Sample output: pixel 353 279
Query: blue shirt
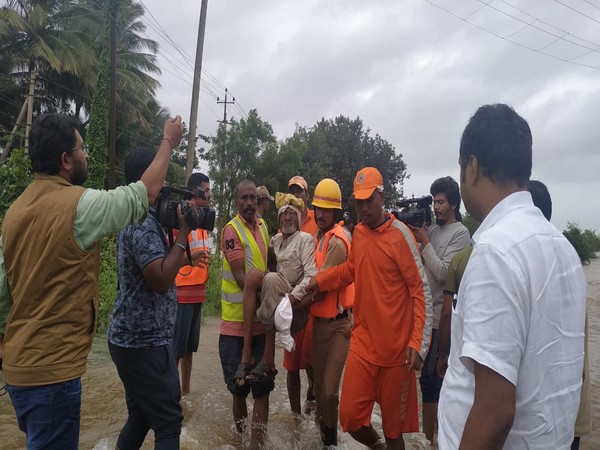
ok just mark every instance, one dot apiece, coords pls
pixel 141 317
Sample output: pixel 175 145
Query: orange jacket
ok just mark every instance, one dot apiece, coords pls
pixel 188 275
pixel 343 298
pixel 310 225
pixel 389 306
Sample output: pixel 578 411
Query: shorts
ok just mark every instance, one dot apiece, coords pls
pixel 230 352
pixel 394 388
pixel 187 329
pixel 301 356
pixel 431 383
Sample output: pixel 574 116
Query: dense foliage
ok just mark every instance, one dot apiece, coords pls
pixel 586 242
pixel 15 174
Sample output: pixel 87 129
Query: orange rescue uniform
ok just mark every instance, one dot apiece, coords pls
pixel 389 317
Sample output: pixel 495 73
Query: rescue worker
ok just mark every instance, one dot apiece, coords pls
pixel 332 321
pixel 389 336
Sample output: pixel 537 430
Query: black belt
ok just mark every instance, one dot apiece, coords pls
pixel 341 315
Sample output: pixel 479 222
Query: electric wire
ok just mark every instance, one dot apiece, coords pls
pixel 568 60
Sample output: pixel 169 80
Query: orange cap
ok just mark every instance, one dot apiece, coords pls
pixel 366 181
pixel 299 181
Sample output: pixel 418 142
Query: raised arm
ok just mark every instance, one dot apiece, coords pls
pixel 154 176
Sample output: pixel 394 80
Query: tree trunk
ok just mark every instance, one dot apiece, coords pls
pixel 7 148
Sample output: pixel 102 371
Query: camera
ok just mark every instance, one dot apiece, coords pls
pixel 414 211
pixel 166 208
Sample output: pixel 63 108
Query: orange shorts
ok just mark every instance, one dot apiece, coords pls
pixel 394 388
pixel 300 357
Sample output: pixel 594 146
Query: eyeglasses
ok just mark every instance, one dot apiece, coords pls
pixel 84 148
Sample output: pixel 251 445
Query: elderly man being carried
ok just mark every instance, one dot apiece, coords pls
pixel 281 292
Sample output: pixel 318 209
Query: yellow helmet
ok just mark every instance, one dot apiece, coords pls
pixel 327 194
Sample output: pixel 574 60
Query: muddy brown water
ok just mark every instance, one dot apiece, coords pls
pixel 208 420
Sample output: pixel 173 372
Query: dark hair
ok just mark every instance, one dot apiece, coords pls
pixel 501 141
pixel 541 197
pixel 196 179
pixel 50 136
pixel 138 160
pixel 244 182
pixel 449 187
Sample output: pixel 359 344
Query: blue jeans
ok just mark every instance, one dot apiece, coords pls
pixel 49 415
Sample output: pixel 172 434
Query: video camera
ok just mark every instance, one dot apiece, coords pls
pixel 414 211
pixel 166 208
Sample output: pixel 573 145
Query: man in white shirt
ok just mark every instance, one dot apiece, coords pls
pixel 516 358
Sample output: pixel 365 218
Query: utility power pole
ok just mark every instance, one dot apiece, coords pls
pixel 225 103
pixel 112 121
pixel 189 167
pixel 223 204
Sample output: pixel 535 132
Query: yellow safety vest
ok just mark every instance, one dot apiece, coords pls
pixel 232 308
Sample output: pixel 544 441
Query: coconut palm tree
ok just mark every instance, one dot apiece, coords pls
pixel 46 35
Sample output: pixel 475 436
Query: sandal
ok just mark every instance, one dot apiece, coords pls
pixel 261 372
pixel 243 370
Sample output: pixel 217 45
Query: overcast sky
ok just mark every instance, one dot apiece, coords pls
pixel 413 70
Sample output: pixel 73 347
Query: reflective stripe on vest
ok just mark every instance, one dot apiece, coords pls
pixel 231 294
pixel 188 275
pixel 334 302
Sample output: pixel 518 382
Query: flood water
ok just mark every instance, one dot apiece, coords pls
pixel 208 420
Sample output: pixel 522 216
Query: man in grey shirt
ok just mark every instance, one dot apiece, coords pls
pixel 439 243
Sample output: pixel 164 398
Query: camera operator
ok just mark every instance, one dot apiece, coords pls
pixel 142 324
pixel 439 243
pixel 191 287
pixel 49 267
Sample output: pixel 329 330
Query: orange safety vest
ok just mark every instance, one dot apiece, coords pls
pixel 335 302
pixel 188 275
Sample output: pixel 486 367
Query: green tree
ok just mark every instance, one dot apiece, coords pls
pixel 16 175
pixel 593 240
pixel 338 148
pixel 46 35
pixel 97 134
pixel 237 153
pixel 576 238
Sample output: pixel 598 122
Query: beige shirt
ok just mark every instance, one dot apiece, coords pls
pixel 295 260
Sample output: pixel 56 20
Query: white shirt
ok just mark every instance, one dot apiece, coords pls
pixel 520 312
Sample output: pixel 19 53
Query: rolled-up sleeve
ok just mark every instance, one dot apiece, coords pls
pixel 102 213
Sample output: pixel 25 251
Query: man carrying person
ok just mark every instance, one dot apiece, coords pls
pixel 389 317
pixel 191 288
pixel 244 243
pixel 516 360
pixel 301 357
pixel 439 243
pixel 332 322
pixel 142 324
pixel 294 252
pixel 51 287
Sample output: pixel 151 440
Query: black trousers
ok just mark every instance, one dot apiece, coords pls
pixel 152 393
